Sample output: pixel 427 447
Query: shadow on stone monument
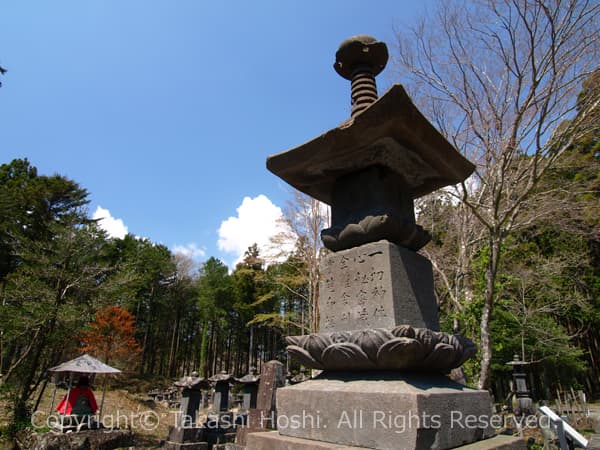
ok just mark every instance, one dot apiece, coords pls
pixel 187 432
pixel 221 421
pixel 383 358
pixel 249 389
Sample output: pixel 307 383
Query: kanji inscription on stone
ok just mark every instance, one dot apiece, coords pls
pixel 370 287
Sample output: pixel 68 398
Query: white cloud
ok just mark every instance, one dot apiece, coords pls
pixel 114 227
pixel 191 250
pixel 258 219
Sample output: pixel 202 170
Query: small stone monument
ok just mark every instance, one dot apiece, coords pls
pixel 520 389
pixel 221 382
pixel 220 423
pixel 190 399
pixel 383 358
pixel 249 384
pixel 187 432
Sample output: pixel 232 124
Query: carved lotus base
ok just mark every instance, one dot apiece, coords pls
pixel 402 232
pixel 401 348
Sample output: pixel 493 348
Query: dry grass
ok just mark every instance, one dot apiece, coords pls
pixel 122 409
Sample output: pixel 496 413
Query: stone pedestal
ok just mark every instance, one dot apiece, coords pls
pixel 376 285
pixel 186 446
pixel 274 441
pixel 383 410
pixel 186 438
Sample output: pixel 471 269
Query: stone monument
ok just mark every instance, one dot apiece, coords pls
pixel 249 384
pixel 520 389
pixel 220 422
pixel 221 382
pixel 187 432
pixel 383 358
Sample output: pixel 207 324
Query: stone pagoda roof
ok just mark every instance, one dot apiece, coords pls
pixel 392 133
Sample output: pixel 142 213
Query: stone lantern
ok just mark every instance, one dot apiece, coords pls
pixel 187 432
pixel 249 384
pixel 520 389
pixel 191 387
pixel 221 382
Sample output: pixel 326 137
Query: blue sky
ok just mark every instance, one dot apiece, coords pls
pixel 165 111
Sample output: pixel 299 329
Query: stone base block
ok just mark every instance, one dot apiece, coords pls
pixel 385 410
pixel 274 441
pixel 105 438
pixel 500 442
pixel 188 434
pixel 219 437
pixel 230 446
pixel 186 446
pixel 271 440
pixel 258 420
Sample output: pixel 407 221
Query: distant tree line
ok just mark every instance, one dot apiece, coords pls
pixel 66 287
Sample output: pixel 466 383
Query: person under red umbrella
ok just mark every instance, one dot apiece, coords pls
pixel 81 400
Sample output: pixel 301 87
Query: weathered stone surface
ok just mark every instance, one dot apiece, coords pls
pixel 181 435
pixel 186 446
pixel 357 51
pixel 257 420
pixel 384 410
pixel 400 348
pixel 192 381
pixel 271 378
pixel 500 442
pixel 84 440
pixel 274 441
pixel 370 169
pixel 391 133
pixel 371 205
pixel 231 446
pixel 263 417
pixel 377 285
pixel 190 404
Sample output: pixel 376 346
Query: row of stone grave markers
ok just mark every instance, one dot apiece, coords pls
pixel 221 424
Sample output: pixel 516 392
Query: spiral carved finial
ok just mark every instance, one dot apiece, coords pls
pixel 360 59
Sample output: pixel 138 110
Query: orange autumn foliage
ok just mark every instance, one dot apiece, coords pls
pixel 112 336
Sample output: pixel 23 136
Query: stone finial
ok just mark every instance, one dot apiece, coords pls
pixel 360 59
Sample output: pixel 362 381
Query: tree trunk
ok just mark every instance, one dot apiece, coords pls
pixel 486 315
pixel 204 350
